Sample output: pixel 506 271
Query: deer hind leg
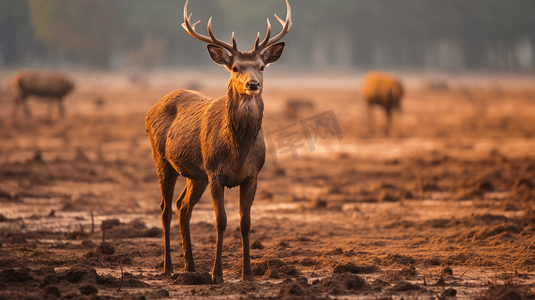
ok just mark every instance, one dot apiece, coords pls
pixel 371 120
pixel 20 100
pixel 61 108
pixel 217 192
pixel 24 103
pixel 389 104
pixel 247 193
pixel 398 121
pixel 185 203
pixel 50 105
pixel 167 178
pixel 388 124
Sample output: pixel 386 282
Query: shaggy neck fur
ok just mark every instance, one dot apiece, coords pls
pixel 245 114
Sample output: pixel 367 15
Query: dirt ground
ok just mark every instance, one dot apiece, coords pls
pixel 442 209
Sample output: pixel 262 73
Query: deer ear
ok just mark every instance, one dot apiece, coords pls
pixel 273 53
pixel 218 55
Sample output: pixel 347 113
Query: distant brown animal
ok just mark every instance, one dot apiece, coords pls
pixel 2 92
pixel 214 142
pixel 383 90
pixel 50 86
pixel 294 107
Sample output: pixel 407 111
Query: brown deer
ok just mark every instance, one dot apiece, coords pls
pixel 214 142
pixel 385 91
pixel 51 86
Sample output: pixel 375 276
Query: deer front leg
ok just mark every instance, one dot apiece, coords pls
pixel 217 191
pixel 16 105
pixel 193 192
pixel 50 105
pixel 247 193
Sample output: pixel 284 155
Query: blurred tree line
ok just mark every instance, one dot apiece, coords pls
pixel 363 33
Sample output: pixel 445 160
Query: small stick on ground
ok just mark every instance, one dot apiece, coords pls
pixel 103 228
pixel 469 268
pixel 122 276
pixel 92 223
pixel 420 184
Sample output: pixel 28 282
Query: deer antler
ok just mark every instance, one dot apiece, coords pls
pixel 212 39
pixel 286 25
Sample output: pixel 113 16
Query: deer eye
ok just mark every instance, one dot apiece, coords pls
pixel 262 68
pixel 234 69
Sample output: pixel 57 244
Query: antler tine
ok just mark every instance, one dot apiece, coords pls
pixel 286 25
pixel 266 39
pixel 218 42
pixel 196 23
pixel 256 41
pixel 191 28
pixel 212 39
pixel 234 44
pixel 279 19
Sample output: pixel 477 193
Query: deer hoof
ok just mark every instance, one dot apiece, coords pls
pixel 216 279
pixel 168 272
pixel 247 277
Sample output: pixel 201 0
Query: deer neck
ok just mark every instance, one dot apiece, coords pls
pixel 244 118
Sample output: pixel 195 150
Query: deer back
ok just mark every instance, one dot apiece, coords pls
pixel 383 89
pixel 174 128
pixel 42 84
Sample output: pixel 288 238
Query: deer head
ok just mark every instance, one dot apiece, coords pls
pixel 246 68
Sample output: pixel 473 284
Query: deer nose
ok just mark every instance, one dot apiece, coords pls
pixel 253 85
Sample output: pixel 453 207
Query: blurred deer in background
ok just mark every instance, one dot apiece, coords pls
pixel 214 142
pixel 49 86
pixel 2 91
pixel 383 90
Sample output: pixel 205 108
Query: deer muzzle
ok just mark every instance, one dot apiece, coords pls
pixel 252 87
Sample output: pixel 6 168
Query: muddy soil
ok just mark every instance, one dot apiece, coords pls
pixel 442 209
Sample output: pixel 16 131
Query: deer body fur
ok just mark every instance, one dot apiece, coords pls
pixel 214 143
pixel 385 91
pixel 233 133
pixel 53 87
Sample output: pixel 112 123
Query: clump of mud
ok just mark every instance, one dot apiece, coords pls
pixel 398 276
pixel 404 286
pixel 3 218
pixel 113 229
pixel 298 289
pixel 88 289
pixel 507 292
pixel 193 278
pixel 105 248
pixel 21 275
pixel 352 268
pixel 523 191
pixel 395 258
pixel 76 282
pixel 272 268
pixel 106 252
pixel 81 275
pixel 342 284
pixel 337 284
